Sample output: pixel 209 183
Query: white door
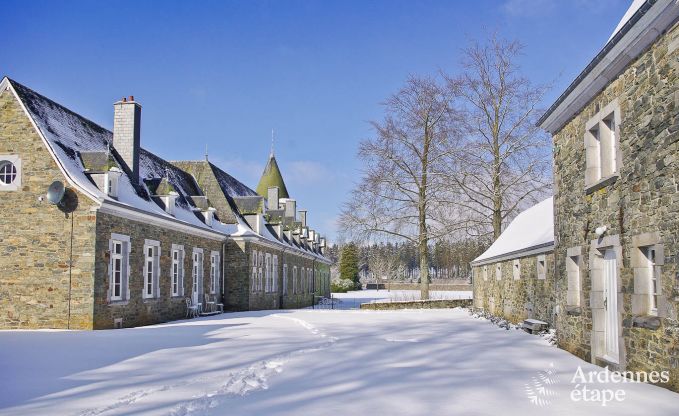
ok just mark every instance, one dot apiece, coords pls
pixel 611 306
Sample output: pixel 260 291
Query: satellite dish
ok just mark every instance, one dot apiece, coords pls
pixel 55 193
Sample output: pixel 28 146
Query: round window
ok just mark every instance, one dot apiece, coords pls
pixel 8 172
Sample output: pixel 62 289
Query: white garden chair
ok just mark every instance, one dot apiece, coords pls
pixel 191 310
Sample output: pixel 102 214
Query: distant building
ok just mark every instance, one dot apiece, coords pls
pixel 514 278
pixel 134 235
pixel 616 204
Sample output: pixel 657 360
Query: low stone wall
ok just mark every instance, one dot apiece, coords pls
pixel 419 304
pixel 432 287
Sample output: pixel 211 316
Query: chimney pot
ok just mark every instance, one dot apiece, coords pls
pixel 131 98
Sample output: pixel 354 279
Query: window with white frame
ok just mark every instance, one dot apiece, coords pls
pixel 274 274
pixel 310 280
pixel 267 273
pixel 10 172
pixel 214 272
pixel 294 280
pixel 573 274
pixel 485 272
pixel 177 270
pixel 151 269
pixel 253 278
pixel 197 275
pixel 302 280
pixel 516 269
pixel 285 278
pixel 119 267
pixel 260 272
pixel 653 278
pixel 498 272
pixel 601 145
pixel 542 267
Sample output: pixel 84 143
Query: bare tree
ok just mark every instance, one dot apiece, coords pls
pixel 506 162
pixel 405 187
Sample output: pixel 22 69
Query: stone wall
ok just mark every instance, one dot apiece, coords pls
pixel 240 295
pixel 45 253
pixel 516 299
pixel 643 200
pixel 418 304
pixel 138 311
pixel 432 286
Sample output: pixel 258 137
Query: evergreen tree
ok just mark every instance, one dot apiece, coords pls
pixel 349 262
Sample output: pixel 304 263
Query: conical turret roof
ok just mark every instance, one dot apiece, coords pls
pixel 270 178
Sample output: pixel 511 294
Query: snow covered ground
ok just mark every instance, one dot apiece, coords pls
pixel 317 362
pixel 353 299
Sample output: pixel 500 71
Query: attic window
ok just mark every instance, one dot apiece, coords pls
pixel 10 172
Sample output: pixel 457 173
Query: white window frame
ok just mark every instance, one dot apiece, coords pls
pixel 253 276
pixel 516 269
pixel 310 279
pixel 267 273
pixel 124 256
pixel 485 272
pixel 274 274
pixel 498 271
pixel 177 271
pixel 197 274
pixel 214 272
pixel 294 280
pixel 653 273
pixel 260 273
pixel 16 161
pixel 302 280
pixel 285 278
pixel 151 269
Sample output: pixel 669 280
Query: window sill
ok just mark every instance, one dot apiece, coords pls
pixel 573 310
pixel 151 300
pixel 646 321
pixel 601 183
pixel 118 302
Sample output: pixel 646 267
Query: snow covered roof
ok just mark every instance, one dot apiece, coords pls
pixel 531 232
pixel 636 4
pixel 640 26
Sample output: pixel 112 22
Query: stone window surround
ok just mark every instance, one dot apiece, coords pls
pixel 641 298
pixel 574 263
pixel 516 269
pixel 596 299
pixel 594 178
pixel 179 264
pixel 16 161
pixel 541 267
pixel 155 245
pixel 214 272
pixel 125 263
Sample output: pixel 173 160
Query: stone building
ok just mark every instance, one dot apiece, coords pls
pixel 514 278
pixel 616 139
pixel 98 232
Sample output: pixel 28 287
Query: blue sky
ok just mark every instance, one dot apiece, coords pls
pixel 224 73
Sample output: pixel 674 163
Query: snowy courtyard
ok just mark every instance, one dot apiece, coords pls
pixel 316 362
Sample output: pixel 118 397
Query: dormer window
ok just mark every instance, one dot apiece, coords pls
pixel 170 201
pixel 209 215
pixel 111 180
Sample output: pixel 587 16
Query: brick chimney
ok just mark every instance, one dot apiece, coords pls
pixel 127 133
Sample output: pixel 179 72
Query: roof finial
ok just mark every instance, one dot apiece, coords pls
pixel 272 142
pixel 206 152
